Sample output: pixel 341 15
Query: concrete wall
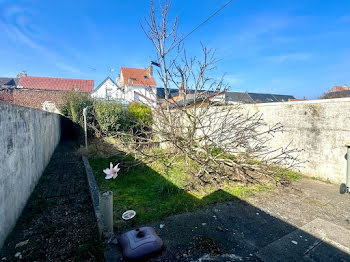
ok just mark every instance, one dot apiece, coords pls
pixel 28 138
pixel 320 127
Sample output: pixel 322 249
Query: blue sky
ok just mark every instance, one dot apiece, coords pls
pixel 297 47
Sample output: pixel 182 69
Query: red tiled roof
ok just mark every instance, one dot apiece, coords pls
pixel 138 77
pixel 340 88
pixel 52 83
pixel 296 99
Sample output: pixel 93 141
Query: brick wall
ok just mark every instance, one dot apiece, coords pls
pixel 6 94
pixel 32 98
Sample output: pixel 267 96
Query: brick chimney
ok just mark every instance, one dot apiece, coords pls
pixel 150 69
pixel 23 73
pixel 182 90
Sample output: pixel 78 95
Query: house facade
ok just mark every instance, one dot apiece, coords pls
pixel 132 85
pixel 108 90
pixel 138 85
pixel 46 93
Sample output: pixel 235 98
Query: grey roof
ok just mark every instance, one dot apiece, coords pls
pixel 172 92
pixel 9 81
pixel 269 98
pixel 263 98
pixel 239 97
pixel 104 82
pixel 246 98
pixel 284 98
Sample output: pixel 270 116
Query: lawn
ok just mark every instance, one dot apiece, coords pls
pixel 155 192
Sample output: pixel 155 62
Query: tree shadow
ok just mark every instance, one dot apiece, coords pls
pixel 228 225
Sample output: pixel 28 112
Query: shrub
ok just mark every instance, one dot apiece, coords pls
pixel 141 114
pixel 74 102
pixel 110 116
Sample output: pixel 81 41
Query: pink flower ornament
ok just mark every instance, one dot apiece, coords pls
pixel 111 172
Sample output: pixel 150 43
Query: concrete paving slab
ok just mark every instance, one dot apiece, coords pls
pixel 262 227
pixel 318 240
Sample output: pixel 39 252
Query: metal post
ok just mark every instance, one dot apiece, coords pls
pixel 344 188
pixel 348 166
pixel 106 209
pixel 85 126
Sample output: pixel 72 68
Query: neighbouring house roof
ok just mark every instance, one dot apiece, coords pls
pixel 283 98
pixel 171 91
pixel 137 77
pixel 263 98
pixel 52 83
pixel 269 98
pixel 295 99
pixel 174 92
pixel 8 81
pixel 339 88
pixel 239 97
pixel 180 101
pixel 104 81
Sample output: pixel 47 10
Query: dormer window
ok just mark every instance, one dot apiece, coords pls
pixel 146 77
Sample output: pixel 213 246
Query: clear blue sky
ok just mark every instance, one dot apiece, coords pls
pixel 298 47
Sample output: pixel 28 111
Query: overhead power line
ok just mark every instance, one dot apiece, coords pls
pixel 206 20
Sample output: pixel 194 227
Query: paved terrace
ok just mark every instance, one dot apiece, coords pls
pixel 308 221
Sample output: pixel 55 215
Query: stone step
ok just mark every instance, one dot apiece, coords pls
pixel 318 240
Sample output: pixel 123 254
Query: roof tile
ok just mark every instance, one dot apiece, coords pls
pixel 52 83
pixel 137 77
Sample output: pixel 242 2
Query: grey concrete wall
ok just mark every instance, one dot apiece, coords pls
pixel 28 138
pixel 320 127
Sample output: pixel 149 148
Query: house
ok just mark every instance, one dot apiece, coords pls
pixel 7 82
pixel 138 85
pixel 46 93
pixel 337 92
pixel 132 85
pixel 108 90
pixel 339 89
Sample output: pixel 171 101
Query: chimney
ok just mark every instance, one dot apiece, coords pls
pixel 23 73
pixel 150 69
pixel 182 90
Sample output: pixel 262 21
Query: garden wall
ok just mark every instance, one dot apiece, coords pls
pixel 28 138
pixel 320 127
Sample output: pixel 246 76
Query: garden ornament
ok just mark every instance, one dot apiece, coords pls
pixel 111 172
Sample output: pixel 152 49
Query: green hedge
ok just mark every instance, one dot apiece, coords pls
pixel 108 117
pixel 111 116
pixel 140 113
pixel 74 102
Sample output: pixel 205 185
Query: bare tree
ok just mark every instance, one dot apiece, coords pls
pixel 224 141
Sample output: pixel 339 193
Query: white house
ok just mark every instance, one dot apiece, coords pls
pixel 108 90
pixel 138 85
pixel 132 85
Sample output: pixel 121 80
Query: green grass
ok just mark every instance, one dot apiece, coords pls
pixel 155 192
